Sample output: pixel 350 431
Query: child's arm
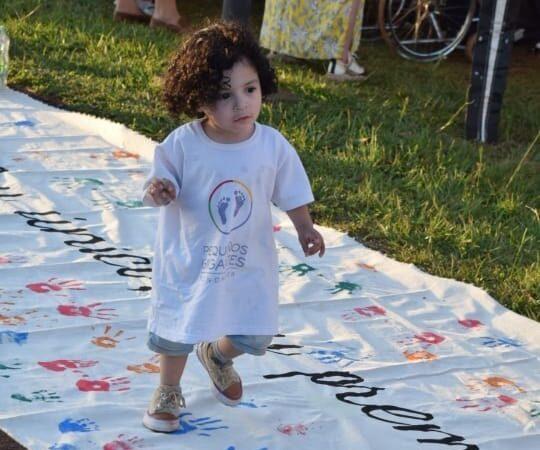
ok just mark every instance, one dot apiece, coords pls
pixel 159 192
pixel 310 239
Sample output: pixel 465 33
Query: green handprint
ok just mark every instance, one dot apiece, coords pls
pixel 4 367
pixel 41 395
pixel 344 286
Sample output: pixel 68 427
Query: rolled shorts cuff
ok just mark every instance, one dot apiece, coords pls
pixel 252 344
pixel 165 347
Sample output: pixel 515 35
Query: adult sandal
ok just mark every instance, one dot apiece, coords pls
pixel 340 71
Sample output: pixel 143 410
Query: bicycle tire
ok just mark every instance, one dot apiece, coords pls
pixel 402 18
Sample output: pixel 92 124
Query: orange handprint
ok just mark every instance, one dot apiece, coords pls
pixel 121 154
pixel 148 367
pixel 421 355
pixel 108 341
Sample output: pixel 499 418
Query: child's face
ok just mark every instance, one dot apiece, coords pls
pixel 231 118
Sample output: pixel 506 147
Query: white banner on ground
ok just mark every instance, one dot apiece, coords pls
pixel 372 354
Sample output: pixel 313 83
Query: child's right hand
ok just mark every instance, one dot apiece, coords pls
pixel 161 191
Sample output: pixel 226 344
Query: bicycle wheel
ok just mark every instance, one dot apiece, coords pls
pixel 426 30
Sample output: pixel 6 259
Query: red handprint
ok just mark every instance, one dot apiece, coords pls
pixel 370 311
pixel 103 385
pixel 59 365
pixel 470 323
pixel 51 285
pixel 290 429
pixel 86 311
pixel 429 337
pixel 124 444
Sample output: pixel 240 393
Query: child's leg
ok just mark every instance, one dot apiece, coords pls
pixel 164 410
pixel 171 369
pixel 216 357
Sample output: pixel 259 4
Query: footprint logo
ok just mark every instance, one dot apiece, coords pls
pixel 240 199
pixel 230 205
pixel 223 206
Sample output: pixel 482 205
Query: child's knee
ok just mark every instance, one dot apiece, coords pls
pixel 252 344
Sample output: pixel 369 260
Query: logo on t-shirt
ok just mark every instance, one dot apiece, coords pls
pixel 230 205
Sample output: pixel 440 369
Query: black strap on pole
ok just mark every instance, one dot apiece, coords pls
pixel 237 10
pixel 490 67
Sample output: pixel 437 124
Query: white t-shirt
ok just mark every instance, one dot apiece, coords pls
pixel 215 263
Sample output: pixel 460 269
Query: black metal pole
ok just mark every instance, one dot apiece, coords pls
pixel 490 68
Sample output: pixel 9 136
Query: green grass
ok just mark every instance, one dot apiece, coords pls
pixel 387 158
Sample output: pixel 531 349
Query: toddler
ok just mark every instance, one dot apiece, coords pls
pixel 215 272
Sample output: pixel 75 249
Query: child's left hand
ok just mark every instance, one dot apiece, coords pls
pixel 311 241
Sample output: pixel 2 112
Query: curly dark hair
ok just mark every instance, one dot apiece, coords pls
pixel 195 73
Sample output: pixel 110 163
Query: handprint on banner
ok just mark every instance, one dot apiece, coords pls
pixel 232 447
pixel 486 403
pixel 84 425
pixel 105 384
pixel 91 311
pixel 298 269
pixel 293 429
pixel 470 323
pixel 15 365
pixel 60 365
pixel 366 266
pixel 421 355
pixel 12 320
pixel 421 341
pixel 13 259
pixel 123 154
pixel 338 357
pixel 124 442
pixel 344 286
pixel 362 313
pixel 151 366
pixel 494 342
pixel 7 337
pixel 51 285
pixel 250 404
pixel 110 338
pixel 42 395
pixel 12 294
pixel 201 426
pixel 63 446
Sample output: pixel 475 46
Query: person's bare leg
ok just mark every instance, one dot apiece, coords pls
pixel 166 11
pixel 128 7
pixel 227 349
pixel 350 30
pixel 171 369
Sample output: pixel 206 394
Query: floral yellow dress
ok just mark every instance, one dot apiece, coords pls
pixel 308 29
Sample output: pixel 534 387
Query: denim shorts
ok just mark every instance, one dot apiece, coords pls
pixel 254 345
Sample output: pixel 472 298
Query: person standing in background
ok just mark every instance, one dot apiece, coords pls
pixel 316 29
pixel 165 15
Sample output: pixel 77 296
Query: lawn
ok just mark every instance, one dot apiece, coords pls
pixel 387 157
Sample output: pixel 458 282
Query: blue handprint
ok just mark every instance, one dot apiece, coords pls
pixel 81 425
pixel 63 447
pixel 197 424
pixel 13 336
pixel 332 356
pixel 232 447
